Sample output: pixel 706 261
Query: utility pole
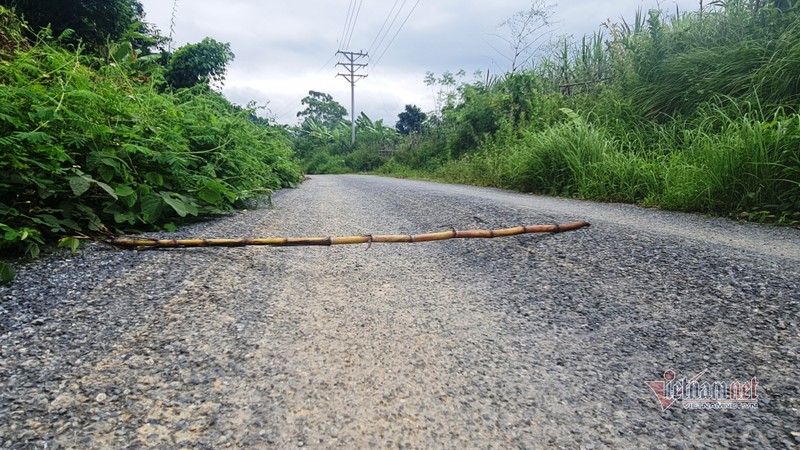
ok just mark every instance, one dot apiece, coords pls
pixel 352 66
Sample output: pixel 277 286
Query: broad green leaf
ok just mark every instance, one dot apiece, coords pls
pixel 180 207
pixel 573 116
pixel 71 242
pixel 87 211
pixel 152 205
pixel 108 189
pixel 110 162
pixel 79 185
pixel 130 200
pixel 191 208
pixel 154 179
pixel 124 190
pixel 122 51
pixel 45 192
pixel 149 58
pixel 144 189
pixel 33 250
pixel 71 224
pixel 7 273
pixel 107 173
pixel 209 195
pixel 127 194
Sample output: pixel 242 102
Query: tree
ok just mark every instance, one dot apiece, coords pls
pixel 411 120
pixel 94 21
pixel 322 109
pixel 448 87
pixel 524 30
pixel 199 63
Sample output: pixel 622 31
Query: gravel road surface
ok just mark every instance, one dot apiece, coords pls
pixel 525 342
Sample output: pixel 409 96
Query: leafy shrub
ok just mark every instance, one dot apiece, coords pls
pixel 324 162
pixel 87 146
pixel 327 147
pixel 198 64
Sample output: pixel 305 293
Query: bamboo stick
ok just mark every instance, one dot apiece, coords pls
pixel 141 243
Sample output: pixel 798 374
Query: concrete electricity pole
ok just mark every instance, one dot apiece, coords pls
pixel 352 66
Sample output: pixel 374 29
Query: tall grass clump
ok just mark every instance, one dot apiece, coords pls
pixel 745 163
pixel 557 160
pixel 573 159
pixel 742 49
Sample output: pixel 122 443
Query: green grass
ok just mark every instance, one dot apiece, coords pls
pixel 727 165
pixel 688 111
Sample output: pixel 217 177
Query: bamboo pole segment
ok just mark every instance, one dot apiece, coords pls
pixel 141 243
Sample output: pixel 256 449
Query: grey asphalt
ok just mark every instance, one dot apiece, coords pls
pixel 531 341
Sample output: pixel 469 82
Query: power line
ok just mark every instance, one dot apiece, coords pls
pixel 353 28
pixel 326 64
pixel 372 45
pixel 347 23
pixel 386 33
pixel 398 32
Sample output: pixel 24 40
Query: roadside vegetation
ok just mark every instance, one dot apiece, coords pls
pixel 101 129
pixel 323 139
pixel 692 111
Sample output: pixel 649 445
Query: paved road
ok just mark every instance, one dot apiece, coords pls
pixel 532 341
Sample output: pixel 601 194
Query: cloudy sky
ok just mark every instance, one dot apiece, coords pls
pixel 286 48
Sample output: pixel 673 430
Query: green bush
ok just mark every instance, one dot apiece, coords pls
pixel 90 146
pixel 322 162
pixel 328 148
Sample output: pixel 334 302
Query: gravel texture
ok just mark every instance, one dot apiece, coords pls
pixel 532 341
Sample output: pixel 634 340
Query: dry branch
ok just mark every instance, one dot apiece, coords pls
pixel 141 243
